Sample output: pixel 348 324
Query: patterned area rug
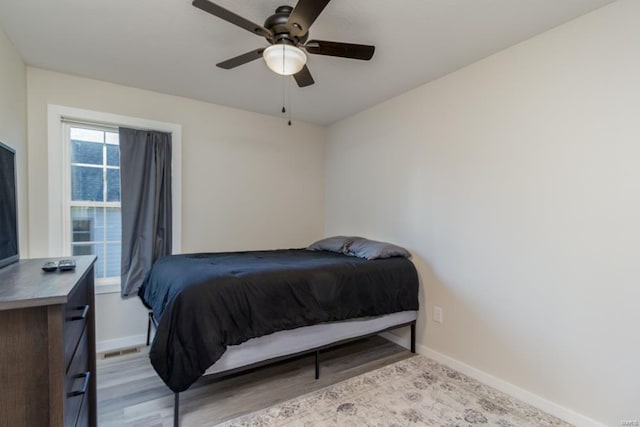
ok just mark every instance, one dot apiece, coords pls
pixel 415 391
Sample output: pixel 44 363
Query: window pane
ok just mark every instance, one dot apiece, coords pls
pixel 95 249
pixel 86 152
pixel 87 224
pixel 113 185
pixel 111 138
pixel 86 184
pixel 113 260
pixel 100 262
pixel 113 155
pixel 82 250
pixel 114 225
pixel 89 135
pixel 96 230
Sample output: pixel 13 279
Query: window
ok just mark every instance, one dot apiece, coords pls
pixel 62 236
pixel 93 220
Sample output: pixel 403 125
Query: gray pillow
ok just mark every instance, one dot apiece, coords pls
pixel 371 249
pixel 331 244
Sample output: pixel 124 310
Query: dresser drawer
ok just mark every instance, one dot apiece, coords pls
pixel 76 312
pixel 77 382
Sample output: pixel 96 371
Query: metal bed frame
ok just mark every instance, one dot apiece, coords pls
pixel 316 350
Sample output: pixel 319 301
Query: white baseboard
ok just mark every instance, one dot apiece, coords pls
pixel 532 399
pixel 120 343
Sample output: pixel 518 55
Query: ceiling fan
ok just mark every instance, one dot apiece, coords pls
pixel 287 32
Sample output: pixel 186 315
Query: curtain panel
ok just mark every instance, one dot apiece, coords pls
pixel 145 176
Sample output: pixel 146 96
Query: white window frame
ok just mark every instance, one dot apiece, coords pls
pixel 58 185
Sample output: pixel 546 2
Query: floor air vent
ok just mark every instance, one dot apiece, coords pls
pixel 122 352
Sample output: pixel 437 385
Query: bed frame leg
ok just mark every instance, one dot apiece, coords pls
pixel 176 410
pixel 413 337
pixel 149 329
pixel 317 364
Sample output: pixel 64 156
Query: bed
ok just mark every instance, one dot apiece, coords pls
pixel 219 313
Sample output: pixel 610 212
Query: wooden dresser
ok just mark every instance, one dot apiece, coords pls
pixel 47 345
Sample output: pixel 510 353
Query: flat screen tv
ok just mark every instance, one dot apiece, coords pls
pixel 8 207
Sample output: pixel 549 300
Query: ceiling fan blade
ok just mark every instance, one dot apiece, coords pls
pixel 343 50
pixel 241 59
pixel 303 77
pixel 303 15
pixel 231 17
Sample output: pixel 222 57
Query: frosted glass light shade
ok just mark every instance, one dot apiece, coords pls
pixel 294 59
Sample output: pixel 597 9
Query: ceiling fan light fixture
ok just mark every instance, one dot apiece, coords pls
pixel 284 59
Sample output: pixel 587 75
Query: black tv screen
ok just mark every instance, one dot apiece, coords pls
pixel 8 207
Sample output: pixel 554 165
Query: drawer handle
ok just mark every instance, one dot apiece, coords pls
pixel 85 310
pixel 85 384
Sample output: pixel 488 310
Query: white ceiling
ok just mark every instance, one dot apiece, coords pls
pixel 170 46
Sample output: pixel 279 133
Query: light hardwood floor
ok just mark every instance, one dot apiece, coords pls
pixel 131 394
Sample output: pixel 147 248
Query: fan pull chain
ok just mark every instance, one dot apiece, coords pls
pixel 284 110
pixel 290 107
pixel 284 94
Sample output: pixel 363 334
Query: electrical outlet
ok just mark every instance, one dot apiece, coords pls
pixel 437 314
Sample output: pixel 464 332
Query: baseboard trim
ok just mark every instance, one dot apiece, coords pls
pixel 539 402
pixel 120 343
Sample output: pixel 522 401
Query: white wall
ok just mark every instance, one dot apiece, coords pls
pixel 249 181
pixel 13 125
pixel 516 183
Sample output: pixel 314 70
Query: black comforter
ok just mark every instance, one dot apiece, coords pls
pixel 206 302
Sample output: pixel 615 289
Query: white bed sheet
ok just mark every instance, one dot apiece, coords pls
pixel 298 340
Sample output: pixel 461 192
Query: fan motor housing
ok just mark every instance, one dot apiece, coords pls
pixel 278 24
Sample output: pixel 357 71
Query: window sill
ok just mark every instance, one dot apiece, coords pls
pixel 113 288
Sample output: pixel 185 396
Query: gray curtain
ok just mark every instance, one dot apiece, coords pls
pixel 145 182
